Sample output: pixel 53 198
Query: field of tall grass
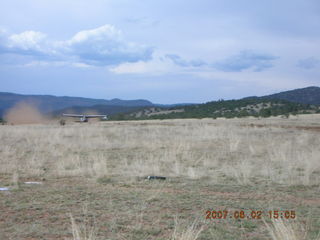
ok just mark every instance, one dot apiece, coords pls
pixel 245 154
pixel 194 149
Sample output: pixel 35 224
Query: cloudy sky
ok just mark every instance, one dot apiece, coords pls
pixel 166 51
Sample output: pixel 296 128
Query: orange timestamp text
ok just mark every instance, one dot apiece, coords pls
pixel 250 214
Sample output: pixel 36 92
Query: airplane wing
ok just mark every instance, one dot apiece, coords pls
pixel 94 116
pixel 72 115
pixel 84 116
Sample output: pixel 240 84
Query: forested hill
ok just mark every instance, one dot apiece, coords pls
pixel 308 95
pixel 253 106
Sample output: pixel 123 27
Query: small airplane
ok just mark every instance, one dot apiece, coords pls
pixel 85 117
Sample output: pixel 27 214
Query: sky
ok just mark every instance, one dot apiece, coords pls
pixel 166 51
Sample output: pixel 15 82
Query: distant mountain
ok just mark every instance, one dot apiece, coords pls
pixel 298 101
pixel 304 100
pixel 48 103
pixel 308 95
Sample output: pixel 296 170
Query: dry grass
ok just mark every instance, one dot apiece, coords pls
pixel 190 232
pixel 188 148
pixel 84 228
pixel 207 163
pixel 81 231
pixel 281 230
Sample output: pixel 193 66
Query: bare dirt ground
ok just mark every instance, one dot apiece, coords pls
pixel 93 184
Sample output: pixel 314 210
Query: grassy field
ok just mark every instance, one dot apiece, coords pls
pixel 93 182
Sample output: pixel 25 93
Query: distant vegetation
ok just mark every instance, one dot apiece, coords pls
pixel 298 101
pixel 254 106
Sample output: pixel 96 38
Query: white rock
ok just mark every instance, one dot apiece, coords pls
pixel 33 182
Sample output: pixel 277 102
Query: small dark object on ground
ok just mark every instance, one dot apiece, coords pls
pixel 156 177
pixel 62 122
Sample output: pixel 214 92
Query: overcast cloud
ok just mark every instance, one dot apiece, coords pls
pixel 164 51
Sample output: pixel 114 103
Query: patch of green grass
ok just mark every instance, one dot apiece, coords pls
pixel 105 180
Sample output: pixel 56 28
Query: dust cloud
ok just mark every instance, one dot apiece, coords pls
pixel 24 113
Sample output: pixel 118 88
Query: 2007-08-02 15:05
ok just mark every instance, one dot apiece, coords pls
pixel 251 214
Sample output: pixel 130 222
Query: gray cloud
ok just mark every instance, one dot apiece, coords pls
pixel 237 63
pixel 101 46
pixel 184 63
pixel 245 60
pixel 309 63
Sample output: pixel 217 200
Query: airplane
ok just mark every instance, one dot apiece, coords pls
pixel 84 117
